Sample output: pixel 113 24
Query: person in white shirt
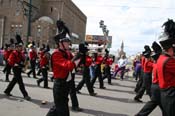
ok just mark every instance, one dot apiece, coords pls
pixel 122 62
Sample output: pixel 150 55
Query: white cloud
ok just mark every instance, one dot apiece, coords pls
pixel 136 22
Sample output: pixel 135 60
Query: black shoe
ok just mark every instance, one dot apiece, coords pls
pixel 77 109
pixel 38 83
pixel 102 87
pixel 78 92
pixel 27 98
pixel 28 74
pixel 7 94
pixel 138 100
pixel 93 94
pixel 35 77
pixel 51 79
pixel 47 87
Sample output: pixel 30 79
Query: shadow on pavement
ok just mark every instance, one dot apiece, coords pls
pixel 123 91
pixel 101 113
pixel 34 101
pixel 32 85
pixel 39 103
pixel 117 84
pixel 125 100
pixel 14 98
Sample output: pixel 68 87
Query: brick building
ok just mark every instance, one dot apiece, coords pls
pixel 14 19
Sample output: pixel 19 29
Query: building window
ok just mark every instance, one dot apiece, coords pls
pixel 51 9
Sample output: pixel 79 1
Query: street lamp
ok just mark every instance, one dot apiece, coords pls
pixel 105 31
pixel 16 29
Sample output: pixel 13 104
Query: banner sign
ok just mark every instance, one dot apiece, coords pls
pixel 99 39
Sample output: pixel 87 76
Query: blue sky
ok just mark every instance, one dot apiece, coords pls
pixel 136 22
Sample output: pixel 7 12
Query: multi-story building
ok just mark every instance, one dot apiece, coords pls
pixel 14 19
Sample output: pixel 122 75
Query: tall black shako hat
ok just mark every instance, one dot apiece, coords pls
pixel 157 50
pixel 19 41
pixel 156 47
pixel 63 30
pixel 83 47
pixel 147 51
pixel 167 39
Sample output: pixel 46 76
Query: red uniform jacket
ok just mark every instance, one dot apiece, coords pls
pixel 7 54
pixel 44 61
pixel 155 74
pixel 99 60
pixel 15 58
pixel 109 61
pixel 41 54
pixel 32 55
pixel 148 66
pixel 88 61
pixel 61 66
pixel 166 71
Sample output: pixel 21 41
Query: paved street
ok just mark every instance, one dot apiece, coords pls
pixel 116 100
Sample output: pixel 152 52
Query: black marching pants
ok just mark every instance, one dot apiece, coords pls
pixel 60 94
pixel 17 79
pixel 168 101
pixel 8 70
pixel 85 79
pixel 139 82
pixel 107 73
pixel 145 86
pixel 72 92
pixel 99 75
pixel 33 64
pixel 45 77
pixel 153 103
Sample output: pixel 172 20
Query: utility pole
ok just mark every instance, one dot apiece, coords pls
pixel 105 32
pixel 29 22
pixel 28 12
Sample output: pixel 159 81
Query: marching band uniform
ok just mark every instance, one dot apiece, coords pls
pixel 40 54
pixel 44 62
pixel 107 69
pixel 148 66
pixel 155 90
pixel 62 65
pixel 16 60
pixel 72 89
pixel 98 62
pixel 166 68
pixel 86 76
pixel 32 58
pixel 7 66
pixel 140 81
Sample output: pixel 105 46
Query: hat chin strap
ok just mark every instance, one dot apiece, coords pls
pixel 63 46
